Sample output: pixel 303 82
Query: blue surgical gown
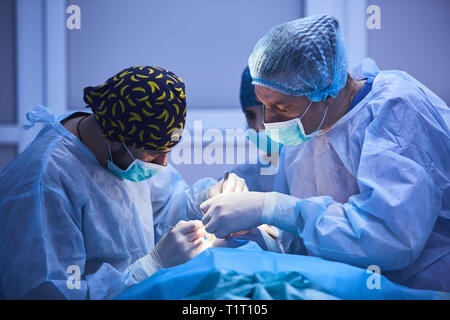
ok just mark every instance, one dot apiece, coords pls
pixel 374 189
pixel 59 208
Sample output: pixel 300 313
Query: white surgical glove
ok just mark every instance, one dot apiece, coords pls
pixel 267 237
pixel 234 183
pixel 231 212
pixel 178 246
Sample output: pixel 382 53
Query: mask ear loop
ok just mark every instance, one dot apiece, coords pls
pixel 128 151
pixel 264 114
pixel 323 119
pixel 309 106
pixel 110 154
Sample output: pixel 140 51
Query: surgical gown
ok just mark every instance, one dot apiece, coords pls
pixel 374 189
pixel 61 211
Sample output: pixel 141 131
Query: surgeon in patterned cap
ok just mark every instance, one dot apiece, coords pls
pixel 79 199
pixel 141 112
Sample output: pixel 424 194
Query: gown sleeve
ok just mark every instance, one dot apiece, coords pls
pixel 174 200
pixel 43 253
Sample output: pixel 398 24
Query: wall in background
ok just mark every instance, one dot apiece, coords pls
pixel 207 43
pixel 7 62
pixel 414 37
pixel 351 15
pixel 33 62
pixel 8 114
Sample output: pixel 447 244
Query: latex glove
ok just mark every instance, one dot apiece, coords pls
pixel 231 212
pixel 247 234
pixel 234 183
pixel 178 246
pixel 267 237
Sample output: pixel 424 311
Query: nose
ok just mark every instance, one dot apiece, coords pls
pixel 258 124
pixel 161 159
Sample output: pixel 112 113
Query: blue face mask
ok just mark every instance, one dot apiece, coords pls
pixel 290 132
pixel 263 142
pixel 138 170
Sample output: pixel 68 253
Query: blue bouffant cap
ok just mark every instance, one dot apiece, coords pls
pixel 247 94
pixel 303 57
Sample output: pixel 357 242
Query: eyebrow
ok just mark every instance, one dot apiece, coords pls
pixel 157 152
pixel 271 102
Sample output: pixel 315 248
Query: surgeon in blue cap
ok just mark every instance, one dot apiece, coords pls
pixel 366 158
pixel 259 176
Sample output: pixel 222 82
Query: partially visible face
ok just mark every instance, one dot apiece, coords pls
pixel 253 114
pixel 157 157
pixel 281 107
pixel 123 159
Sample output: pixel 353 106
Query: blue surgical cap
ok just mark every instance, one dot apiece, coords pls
pixel 247 94
pixel 303 57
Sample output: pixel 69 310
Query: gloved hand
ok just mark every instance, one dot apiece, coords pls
pixel 234 183
pixel 178 246
pixel 231 212
pixel 181 244
pixel 267 237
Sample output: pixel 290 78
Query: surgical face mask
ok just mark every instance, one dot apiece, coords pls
pixel 263 142
pixel 138 170
pixel 290 132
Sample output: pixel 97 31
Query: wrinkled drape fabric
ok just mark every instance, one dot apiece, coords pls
pixel 286 276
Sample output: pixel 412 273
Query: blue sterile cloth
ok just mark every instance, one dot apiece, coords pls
pixel 250 273
pixel 263 285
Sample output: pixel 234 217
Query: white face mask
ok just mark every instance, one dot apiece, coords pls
pixel 138 170
pixel 290 132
